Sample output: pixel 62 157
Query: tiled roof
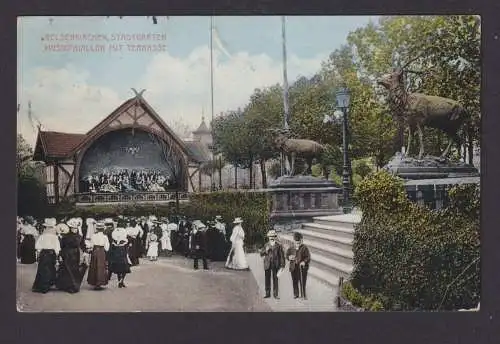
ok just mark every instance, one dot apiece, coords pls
pixel 197 151
pixel 59 144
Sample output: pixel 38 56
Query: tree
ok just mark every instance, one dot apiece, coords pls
pixel 264 112
pixel 31 193
pixel 445 48
pixel 236 140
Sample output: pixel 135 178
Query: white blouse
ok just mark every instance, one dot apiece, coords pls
pixel 48 241
pixel 99 239
pixel 238 234
pixel 135 231
pixel 221 227
pixel 29 230
pixel 119 234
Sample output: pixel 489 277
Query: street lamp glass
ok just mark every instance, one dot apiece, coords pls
pixel 343 97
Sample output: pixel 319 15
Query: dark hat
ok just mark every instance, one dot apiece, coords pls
pixel 297 236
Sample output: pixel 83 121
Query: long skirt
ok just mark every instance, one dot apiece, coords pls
pixel 219 251
pixel 46 272
pixel 237 260
pixel 69 276
pixel 118 262
pixel 98 275
pixel 134 250
pixel 27 250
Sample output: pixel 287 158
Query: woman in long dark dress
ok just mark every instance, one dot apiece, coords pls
pixel 98 276
pixel 27 251
pixel 69 275
pixel 48 247
pixel 118 260
pixel 134 232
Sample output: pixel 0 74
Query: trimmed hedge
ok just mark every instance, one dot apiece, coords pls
pixel 252 207
pixel 409 257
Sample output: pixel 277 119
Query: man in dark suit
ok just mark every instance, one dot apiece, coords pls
pixel 300 266
pixel 274 260
pixel 200 245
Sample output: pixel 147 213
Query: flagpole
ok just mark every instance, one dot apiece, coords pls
pixel 285 76
pixel 212 94
pixel 285 89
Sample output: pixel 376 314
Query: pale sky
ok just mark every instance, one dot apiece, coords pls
pixel 73 91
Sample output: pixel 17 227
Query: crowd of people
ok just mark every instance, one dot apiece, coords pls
pixel 66 249
pixel 127 181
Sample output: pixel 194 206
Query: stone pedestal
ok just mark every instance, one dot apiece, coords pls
pixel 428 180
pixel 300 198
pixel 429 167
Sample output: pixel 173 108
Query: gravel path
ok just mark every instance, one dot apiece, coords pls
pixel 167 285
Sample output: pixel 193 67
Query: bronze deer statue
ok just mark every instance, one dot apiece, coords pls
pixel 293 148
pixel 417 110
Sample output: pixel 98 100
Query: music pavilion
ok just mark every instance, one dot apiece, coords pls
pixel 130 156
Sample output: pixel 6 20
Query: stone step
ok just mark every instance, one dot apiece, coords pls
pixel 327 250
pixel 324 277
pixel 341 231
pixel 344 220
pixel 331 266
pixel 327 239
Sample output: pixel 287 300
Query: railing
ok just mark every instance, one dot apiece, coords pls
pixel 144 197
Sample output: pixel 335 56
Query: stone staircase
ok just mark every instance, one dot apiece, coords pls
pixel 330 240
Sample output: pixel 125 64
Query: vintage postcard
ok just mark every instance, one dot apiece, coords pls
pixel 248 163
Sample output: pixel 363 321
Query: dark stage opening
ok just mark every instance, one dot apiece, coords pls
pixel 130 160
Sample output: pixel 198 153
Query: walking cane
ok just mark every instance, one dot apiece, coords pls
pixel 301 293
pixel 302 287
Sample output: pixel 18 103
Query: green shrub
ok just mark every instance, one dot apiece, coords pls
pixel 31 196
pixel 370 303
pixel 409 255
pixel 253 207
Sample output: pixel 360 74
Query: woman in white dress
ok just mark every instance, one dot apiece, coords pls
pixel 236 259
pixel 166 245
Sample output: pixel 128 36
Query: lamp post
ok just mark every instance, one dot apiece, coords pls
pixel 343 98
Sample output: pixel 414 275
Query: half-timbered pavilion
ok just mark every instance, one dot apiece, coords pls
pixel 132 135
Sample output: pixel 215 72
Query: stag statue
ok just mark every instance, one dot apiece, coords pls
pixel 293 148
pixel 417 110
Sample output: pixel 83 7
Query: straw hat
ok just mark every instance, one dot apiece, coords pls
pixel 73 223
pixel 272 234
pixel 62 228
pixel 49 223
pixel 218 217
pixel 238 220
pixel 100 226
pixel 153 237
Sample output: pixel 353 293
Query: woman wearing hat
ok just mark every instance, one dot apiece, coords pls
pixel 134 233
pixel 236 259
pixel 27 241
pixel 48 248
pixel 69 275
pixel 118 258
pixel 97 275
pixel 166 243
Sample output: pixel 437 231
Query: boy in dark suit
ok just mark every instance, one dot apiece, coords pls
pixel 299 258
